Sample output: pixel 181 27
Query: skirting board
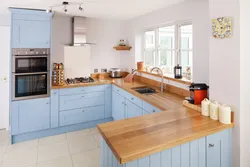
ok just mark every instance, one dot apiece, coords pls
pixel 56 131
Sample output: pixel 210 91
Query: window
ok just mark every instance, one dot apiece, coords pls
pixel 168 46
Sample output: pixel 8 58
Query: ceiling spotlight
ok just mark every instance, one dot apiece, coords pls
pixel 80 7
pixel 49 10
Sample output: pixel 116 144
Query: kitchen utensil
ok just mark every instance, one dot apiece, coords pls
pixel 115 73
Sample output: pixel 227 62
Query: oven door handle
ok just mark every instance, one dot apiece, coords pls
pixel 37 56
pixel 33 73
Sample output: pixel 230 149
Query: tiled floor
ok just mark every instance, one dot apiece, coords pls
pixel 74 149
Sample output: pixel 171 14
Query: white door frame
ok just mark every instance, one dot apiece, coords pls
pixel 5 76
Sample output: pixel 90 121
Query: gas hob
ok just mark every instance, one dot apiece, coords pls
pixel 79 80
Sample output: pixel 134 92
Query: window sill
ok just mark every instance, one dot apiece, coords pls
pixel 170 77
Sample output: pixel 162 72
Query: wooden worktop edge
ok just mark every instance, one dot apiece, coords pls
pixel 123 160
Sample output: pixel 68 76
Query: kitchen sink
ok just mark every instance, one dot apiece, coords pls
pixel 144 90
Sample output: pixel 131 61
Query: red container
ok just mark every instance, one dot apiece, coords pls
pixel 198 92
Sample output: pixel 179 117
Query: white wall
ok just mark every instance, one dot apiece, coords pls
pixel 105 33
pixel 5 19
pixel 224 66
pixel 61 36
pixel 244 82
pixel 195 10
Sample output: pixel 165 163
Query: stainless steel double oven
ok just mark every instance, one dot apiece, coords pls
pixel 30 73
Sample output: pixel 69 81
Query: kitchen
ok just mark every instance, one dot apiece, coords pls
pixel 106 35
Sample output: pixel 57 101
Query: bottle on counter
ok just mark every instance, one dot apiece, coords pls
pixel 205 107
pixel 225 114
pixel 214 110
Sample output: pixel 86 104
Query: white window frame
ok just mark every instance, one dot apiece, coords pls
pixel 177 39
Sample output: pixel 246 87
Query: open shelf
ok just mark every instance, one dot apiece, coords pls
pixel 122 47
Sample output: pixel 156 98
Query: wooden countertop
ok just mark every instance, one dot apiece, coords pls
pixel 135 138
pixel 163 101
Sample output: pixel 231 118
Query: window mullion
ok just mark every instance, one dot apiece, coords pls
pixel 156 47
pixel 177 45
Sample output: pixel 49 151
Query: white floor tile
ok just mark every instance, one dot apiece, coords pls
pixel 94 130
pixel 87 159
pixel 23 145
pixel 3 148
pixel 22 157
pixel 97 137
pixel 52 139
pixel 78 134
pixel 53 151
pixel 4 136
pixel 59 162
pixel 81 144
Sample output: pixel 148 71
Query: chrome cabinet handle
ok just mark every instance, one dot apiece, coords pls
pixel 154 111
pixel 132 98
pixel 83 110
pixel 211 145
pixel 55 93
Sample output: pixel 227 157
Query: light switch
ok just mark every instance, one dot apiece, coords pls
pixel 5 79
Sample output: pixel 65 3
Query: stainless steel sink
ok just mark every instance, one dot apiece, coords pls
pixel 145 90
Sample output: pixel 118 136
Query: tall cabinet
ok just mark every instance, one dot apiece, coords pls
pixel 30 29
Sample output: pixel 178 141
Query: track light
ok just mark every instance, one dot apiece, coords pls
pixel 64 5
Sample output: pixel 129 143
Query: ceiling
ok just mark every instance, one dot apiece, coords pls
pixel 105 9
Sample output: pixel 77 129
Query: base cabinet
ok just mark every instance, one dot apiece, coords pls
pixel 118 108
pixel 211 151
pixel 30 115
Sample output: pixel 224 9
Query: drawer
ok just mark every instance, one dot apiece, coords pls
pixel 149 108
pixel 76 116
pixel 134 99
pixel 119 91
pixel 80 90
pixel 81 100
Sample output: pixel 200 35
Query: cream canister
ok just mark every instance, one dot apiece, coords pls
pixel 225 114
pixel 214 110
pixel 205 107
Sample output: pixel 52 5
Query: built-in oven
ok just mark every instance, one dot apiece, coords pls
pixel 30 73
pixel 30 60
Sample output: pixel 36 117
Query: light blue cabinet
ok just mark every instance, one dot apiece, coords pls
pixel 133 106
pixel 132 110
pixel 31 29
pixel 54 108
pixel 210 151
pixel 108 101
pixel 30 115
pixel 31 34
pixel 118 106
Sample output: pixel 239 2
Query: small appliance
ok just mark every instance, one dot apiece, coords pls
pixel 178 72
pixel 198 92
pixel 115 73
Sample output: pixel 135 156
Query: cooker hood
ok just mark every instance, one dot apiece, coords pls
pixel 80 32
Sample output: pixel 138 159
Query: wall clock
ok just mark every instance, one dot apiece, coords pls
pixel 222 27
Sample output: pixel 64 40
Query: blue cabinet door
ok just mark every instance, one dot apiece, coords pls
pixel 133 110
pixel 118 106
pixel 108 101
pixel 31 34
pixel 218 148
pixel 33 115
pixel 54 106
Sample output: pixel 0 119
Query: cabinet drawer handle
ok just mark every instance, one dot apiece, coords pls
pixel 117 90
pixel 83 110
pixel 132 98
pixel 83 90
pixel 47 103
pixel 154 111
pixel 55 93
pixel 211 145
pixel 82 96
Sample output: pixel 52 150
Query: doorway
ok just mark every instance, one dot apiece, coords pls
pixel 4 76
